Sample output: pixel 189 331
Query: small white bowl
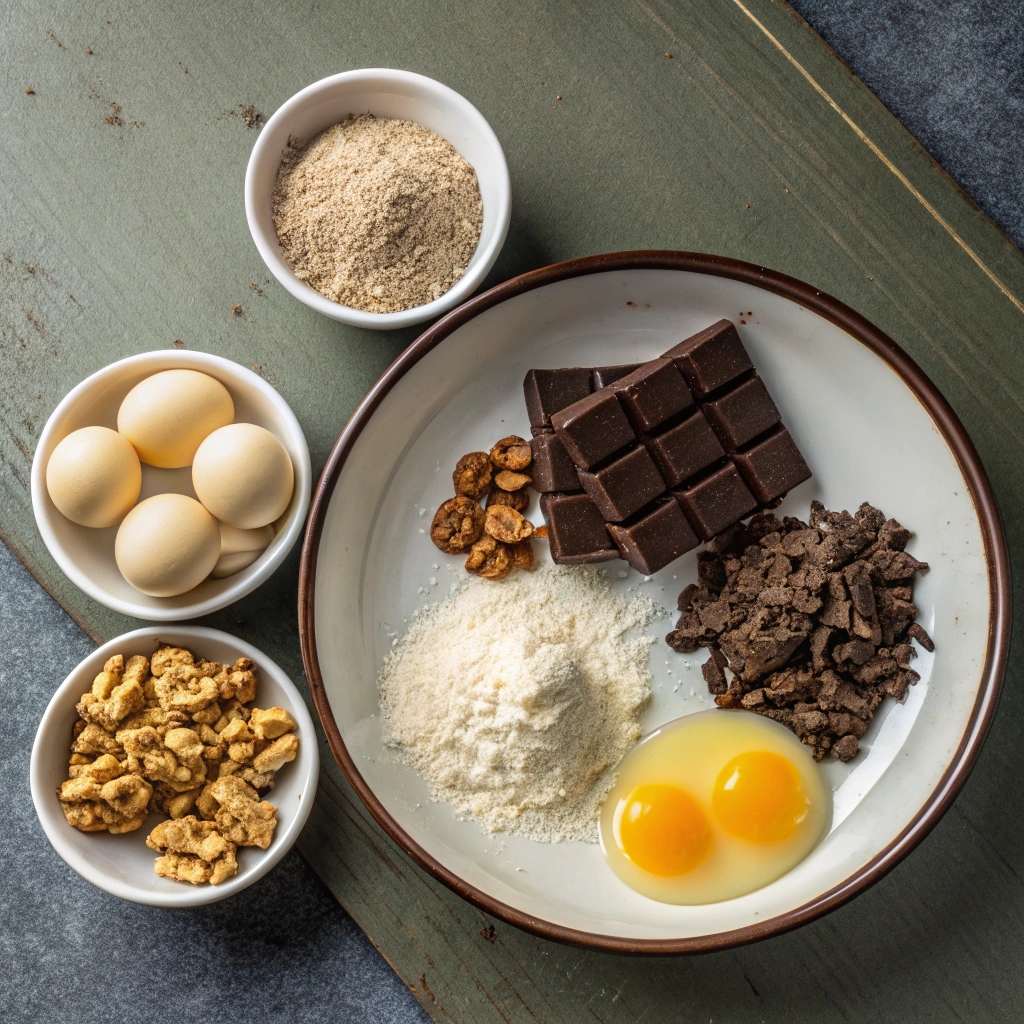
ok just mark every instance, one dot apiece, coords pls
pixel 86 555
pixel 123 865
pixel 384 93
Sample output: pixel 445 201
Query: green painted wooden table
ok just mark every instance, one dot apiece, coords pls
pixel 723 126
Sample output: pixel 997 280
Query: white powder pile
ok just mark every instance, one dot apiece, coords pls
pixel 516 700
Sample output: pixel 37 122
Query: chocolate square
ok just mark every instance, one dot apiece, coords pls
pixel 602 376
pixel 685 449
pixel 576 530
pixel 625 485
pixel 716 501
pixel 552 469
pixel 653 394
pixel 547 391
pixel 593 428
pixel 711 358
pixel 773 466
pixel 742 413
pixel 654 538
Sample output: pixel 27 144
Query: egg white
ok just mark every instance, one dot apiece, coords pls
pixel 690 752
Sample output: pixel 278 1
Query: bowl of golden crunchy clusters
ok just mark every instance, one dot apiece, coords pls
pixel 174 766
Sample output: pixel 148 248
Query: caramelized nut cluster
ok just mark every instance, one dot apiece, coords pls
pixel 172 735
pixel 495 537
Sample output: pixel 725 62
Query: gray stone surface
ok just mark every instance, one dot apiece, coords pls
pixel 283 949
pixel 953 73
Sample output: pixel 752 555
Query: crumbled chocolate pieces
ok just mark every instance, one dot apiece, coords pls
pixel 813 621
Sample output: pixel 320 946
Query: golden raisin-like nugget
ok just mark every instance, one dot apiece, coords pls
pixel 457 524
pixel 472 476
pixel 507 525
pixel 515 499
pixel 522 555
pixel 509 481
pixel 512 453
pixel 489 558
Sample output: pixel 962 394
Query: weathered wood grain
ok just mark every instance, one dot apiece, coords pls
pixel 751 140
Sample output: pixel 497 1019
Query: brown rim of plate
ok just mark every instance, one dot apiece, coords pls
pixel 953 433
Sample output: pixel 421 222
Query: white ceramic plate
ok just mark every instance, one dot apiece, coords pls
pixel 123 865
pixel 872 428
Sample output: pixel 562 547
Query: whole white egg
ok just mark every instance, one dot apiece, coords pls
pixel 93 477
pixel 167 545
pixel 243 475
pixel 167 415
pixel 240 548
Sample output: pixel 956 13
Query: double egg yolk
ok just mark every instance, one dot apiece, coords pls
pixel 758 797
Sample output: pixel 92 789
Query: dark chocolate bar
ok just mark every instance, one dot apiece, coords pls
pixel 624 485
pixel 548 391
pixel 652 394
pixel 684 450
pixel 602 376
pixel 654 537
pixel 711 358
pixel 773 466
pixel 716 501
pixel 552 469
pixel 593 428
pixel 742 413
pixel 576 530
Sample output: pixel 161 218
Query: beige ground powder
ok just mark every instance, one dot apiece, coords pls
pixel 517 701
pixel 377 214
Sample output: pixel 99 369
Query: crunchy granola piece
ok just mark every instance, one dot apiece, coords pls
pixel 515 499
pixel 457 524
pixel 156 717
pixel 194 851
pixel 489 558
pixel 104 683
pixel 505 524
pixel 241 745
pixel 512 453
pixel 240 682
pixel 522 555
pixel 270 723
pixel 170 657
pixel 102 798
pixel 94 740
pixel 278 753
pixel 176 758
pixel 124 698
pixel 472 476
pixel 239 813
pixel 167 800
pixel 509 481
pixel 257 779
pixel 185 688
pixel 208 715
pixel 128 795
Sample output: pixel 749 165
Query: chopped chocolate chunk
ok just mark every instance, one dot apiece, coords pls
pixel 711 358
pixel 552 469
pixel 654 538
pixel 917 632
pixel 653 394
pixel 602 376
pixel 576 530
pixel 713 671
pixel 742 413
pixel 716 501
pixel 625 485
pixel 593 428
pixel 685 449
pixel 773 467
pixel 548 391
pixel 814 621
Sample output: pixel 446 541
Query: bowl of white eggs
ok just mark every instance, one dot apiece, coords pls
pixel 170 484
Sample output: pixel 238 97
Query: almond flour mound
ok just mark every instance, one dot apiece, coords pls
pixel 377 214
pixel 517 702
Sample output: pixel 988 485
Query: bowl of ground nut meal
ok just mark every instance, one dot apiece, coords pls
pixel 380 198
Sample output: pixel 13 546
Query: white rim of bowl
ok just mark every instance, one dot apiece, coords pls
pixel 193 896
pixel 279 546
pixel 268 247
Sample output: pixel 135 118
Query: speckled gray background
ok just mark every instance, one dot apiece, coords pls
pixel 283 950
